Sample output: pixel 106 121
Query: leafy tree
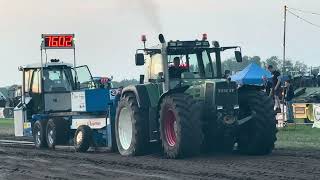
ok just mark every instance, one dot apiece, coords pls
pixel 300 67
pixel 274 61
pixel 125 82
pixel 289 67
pixel 232 65
pixel 256 59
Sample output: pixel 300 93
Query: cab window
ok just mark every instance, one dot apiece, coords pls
pixel 35 86
pixel 155 66
pixel 192 65
pixel 27 79
pixel 83 77
pixel 56 80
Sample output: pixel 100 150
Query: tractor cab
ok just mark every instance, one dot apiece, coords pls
pixel 176 62
pixel 48 88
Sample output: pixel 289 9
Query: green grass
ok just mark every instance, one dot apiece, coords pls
pixel 292 137
pixel 6 127
pixel 6 122
pixel 298 137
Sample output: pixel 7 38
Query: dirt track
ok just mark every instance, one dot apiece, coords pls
pixel 27 163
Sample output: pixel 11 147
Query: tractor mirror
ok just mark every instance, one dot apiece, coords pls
pixel 238 56
pixel 139 59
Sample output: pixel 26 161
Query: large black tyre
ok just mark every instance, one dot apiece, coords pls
pixel 257 136
pixel 131 127
pixel 82 138
pixel 180 126
pixel 56 132
pixel 39 134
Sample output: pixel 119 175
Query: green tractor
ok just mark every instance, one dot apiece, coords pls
pixel 184 103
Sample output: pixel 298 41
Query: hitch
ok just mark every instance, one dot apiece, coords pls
pixel 246 119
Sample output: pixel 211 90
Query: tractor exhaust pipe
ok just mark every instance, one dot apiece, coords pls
pixel 165 86
pixel 161 39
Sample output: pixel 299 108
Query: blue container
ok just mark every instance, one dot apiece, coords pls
pixel 90 100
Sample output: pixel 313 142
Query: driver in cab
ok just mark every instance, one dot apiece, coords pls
pixel 48 83
pixel 175 70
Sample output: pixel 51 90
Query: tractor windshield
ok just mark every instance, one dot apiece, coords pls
pixel 56 79
pixel 191 65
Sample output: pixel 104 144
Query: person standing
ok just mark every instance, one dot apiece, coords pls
pixel 288 96
pixel 267 85
pixel 276 87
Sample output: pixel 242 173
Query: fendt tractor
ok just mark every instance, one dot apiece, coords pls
pixel 61 104
pixel 183 102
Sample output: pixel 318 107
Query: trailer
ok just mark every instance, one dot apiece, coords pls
pixel 61 103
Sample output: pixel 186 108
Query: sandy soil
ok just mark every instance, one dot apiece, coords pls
pixel 24 162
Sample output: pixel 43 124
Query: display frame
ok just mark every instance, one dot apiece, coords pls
pixel 45 46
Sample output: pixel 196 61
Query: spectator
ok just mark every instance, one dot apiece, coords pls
pixel 227 74
pixel 267 85
pixel 288 96
pixel 276 87
pixel 314 80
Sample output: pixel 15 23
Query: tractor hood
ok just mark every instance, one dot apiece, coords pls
pixel 215 92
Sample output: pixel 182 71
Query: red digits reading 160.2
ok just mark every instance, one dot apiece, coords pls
pixel 59 41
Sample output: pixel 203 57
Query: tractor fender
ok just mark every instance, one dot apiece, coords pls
pixel 172 91
pixel 141 93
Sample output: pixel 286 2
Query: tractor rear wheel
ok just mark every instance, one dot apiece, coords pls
pixel 180 126
pixel 39 134
pixel 131 127
pixel 56 132
pixel 257 136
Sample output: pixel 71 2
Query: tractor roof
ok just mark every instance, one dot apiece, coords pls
pixel 49 64
pixel 184 44
pixel 189 44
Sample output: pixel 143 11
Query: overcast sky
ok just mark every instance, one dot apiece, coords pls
pixel 108 31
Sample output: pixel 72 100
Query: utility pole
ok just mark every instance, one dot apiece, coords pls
pixel 284 39
pixel 284 54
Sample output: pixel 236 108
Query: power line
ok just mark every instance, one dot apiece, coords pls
pixel 305 20
pixel 304 11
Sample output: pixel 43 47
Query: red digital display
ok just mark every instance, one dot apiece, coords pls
pixel 58 41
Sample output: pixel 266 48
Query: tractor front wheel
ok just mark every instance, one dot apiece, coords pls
pixel 180 126
pixel 131 127
pixel 257 136
pixel 83 138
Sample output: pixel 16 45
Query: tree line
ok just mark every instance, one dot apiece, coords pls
pixel 230 64
pixel 298 67
pixel 290 67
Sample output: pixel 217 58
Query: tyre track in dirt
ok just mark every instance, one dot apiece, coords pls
pixel 282 164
